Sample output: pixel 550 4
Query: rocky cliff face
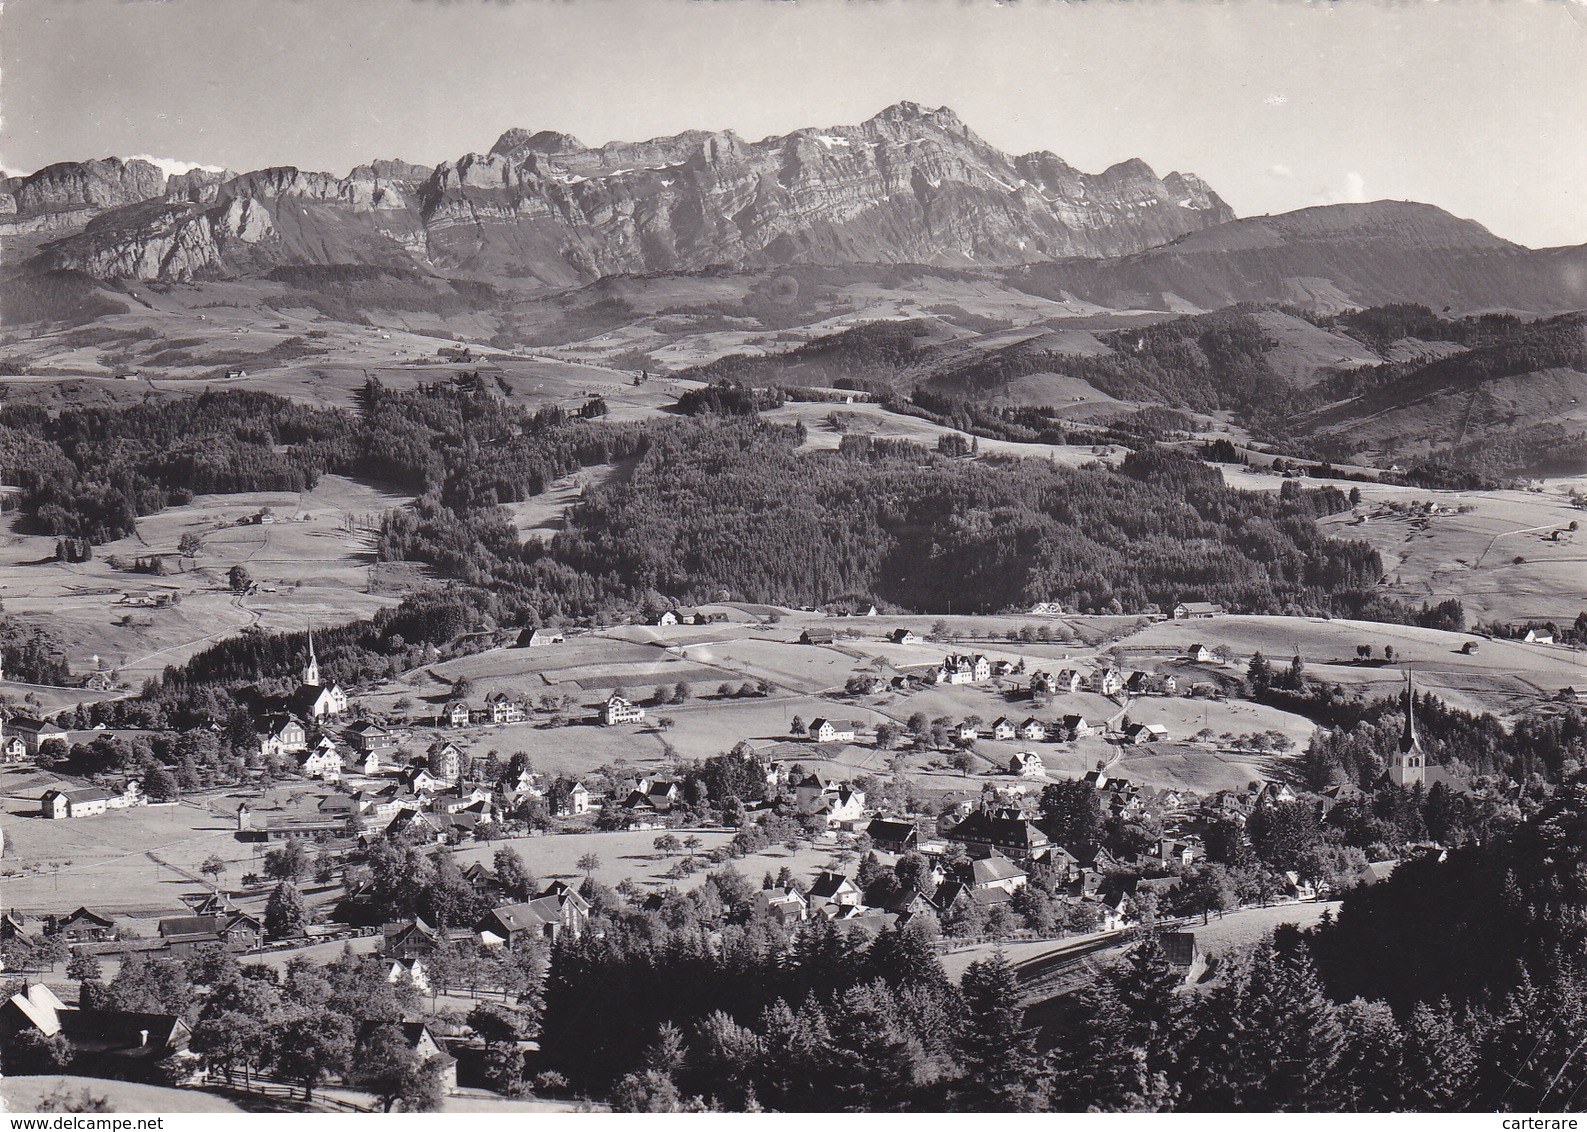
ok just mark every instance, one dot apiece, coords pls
pixel 908 186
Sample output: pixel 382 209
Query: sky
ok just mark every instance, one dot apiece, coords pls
pixel 1479 106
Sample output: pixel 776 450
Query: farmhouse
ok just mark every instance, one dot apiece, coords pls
pixel 1003 729
pixel 559 909
pixel 12 750
pixel 324 761
pixel 83 926
pixel 619 710
pixel 893 836
pixel 1107 680
pixel 1141 733
pixel 504 709
pixel 1201 654
pixel 831 891
pixel 903 637
pixel 786 906
pixel 446 758
pixel 539 638
pixel 419 1041
pixel 1027 764
pixel 76 802
pixel 1538 637
pixel 1197 610
pixel 282 735
pixel 367 736
pixel 833 730
pixel 1033 730
pixel 817 637
pixel 34 732
pixel 996 871
pixel 1077 725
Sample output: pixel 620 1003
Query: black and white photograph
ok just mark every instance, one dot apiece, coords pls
pixel 572 557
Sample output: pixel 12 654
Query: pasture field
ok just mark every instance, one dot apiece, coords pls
pixel 1501 676
pixel 133 861
pixel 633 854
pixel 1470 555
pixel 873 420
pixel 312 564
pixel 26 1094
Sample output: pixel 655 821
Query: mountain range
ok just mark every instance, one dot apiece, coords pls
pixel 909 185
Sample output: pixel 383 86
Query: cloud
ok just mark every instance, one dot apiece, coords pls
pixel 1352 191
pixel 1282 171
pixel 171 167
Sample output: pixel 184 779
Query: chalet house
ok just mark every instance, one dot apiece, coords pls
pixel 545 917
pixel 1068 681
pixel 1014 837
pixel 459 800
pixel 419 1040
pixel 76 802
pixel 539 638
pixel 786 906
pixel 841 806
pixel 1027 764
pixel 807 791
pixel 12 750
pixel 410 969
pixel 892 836
pixel 418 779
pixel 34 732
pixel 831 891
pixel 1033 730
pixel 903 637
pixel 964 669
pixel 618 710
pixel 127 794
pixel 283 735
pixel 455 714
pixel 371 764
pixel 449 757
pixel 1201 654
pixel 83 926
pixel 1107 680
pixel 345 804
pixel 817 637
pixel 419 825
pixel 410 939
pixel 1197 610
pixel 367 735
pixel 107 1043
pixel 966 733
pixel 1077 726
pixel 325 761
pixel 833 730
pixel 1180 851
pixel 1003 729
pixel 996 871
pixel 667 617
pixel 235 931
pixel 504 709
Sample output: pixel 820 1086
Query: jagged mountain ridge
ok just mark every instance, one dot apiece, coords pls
pixel 909 185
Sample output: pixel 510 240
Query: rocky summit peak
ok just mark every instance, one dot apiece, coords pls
pixel 517 141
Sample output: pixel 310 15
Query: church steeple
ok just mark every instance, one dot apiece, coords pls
pixel 1408 740
pixel 311 670
pixel 1409 765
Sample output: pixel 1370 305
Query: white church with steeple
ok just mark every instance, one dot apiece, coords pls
pixel 313 700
